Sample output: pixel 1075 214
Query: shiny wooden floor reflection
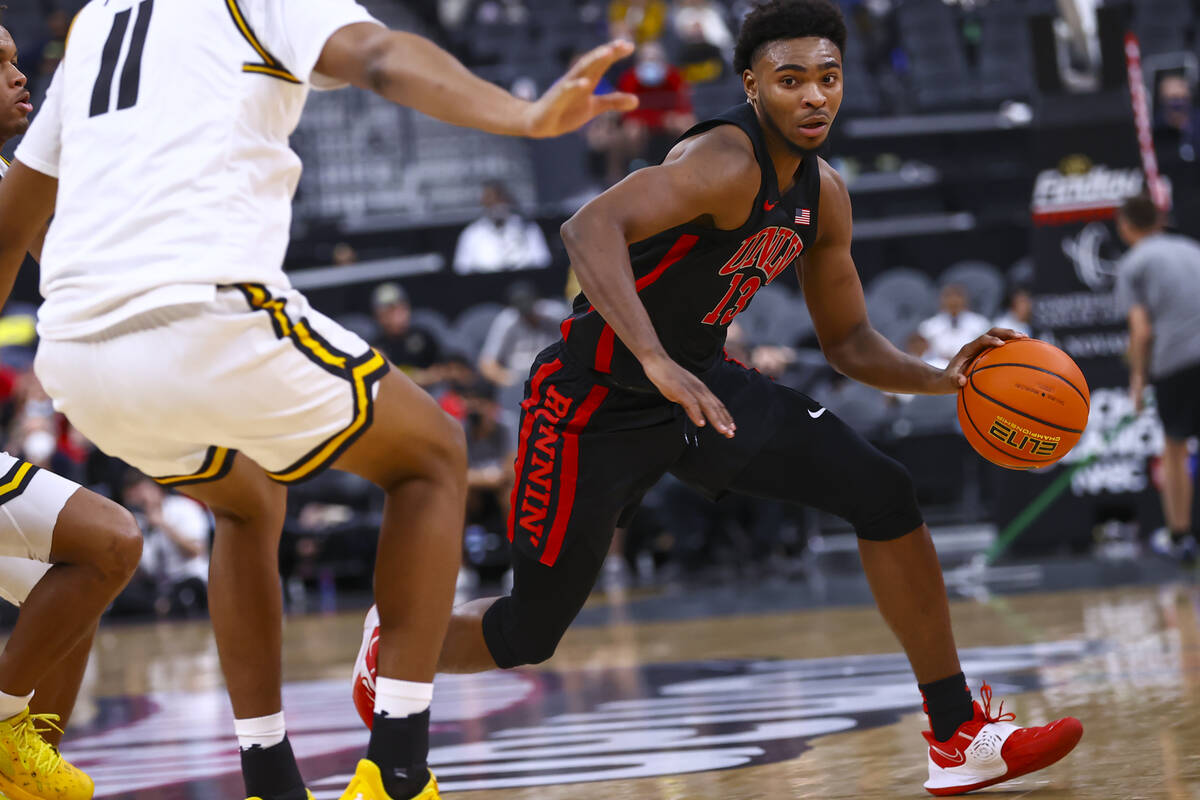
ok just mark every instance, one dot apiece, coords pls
pixel 1136 687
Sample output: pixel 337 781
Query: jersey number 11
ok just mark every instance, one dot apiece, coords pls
pixel 131 72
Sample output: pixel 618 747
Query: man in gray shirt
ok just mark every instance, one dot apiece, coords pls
pixel 1158 283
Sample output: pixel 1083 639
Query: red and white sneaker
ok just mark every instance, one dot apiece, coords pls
pixel 989 749
pixel 365 667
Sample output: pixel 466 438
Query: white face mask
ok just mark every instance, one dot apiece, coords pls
pixel 651 73
pixel 38 446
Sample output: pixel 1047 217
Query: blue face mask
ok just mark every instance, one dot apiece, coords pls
pixel 1177 105
pixel 651 73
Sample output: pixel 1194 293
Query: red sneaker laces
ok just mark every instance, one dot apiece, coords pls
pixel 985 693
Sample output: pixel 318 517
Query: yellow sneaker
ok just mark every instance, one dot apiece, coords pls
pixel 367 784
pixel 307 791
pixel 31 768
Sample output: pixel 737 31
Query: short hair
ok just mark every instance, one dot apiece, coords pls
pixel 1141 213
pixel 787 19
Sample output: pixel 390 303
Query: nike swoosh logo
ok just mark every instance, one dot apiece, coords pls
pixel 958 757
pixel 815 415
pixel 768 205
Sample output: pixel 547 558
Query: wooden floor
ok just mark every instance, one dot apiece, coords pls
pixel 788 704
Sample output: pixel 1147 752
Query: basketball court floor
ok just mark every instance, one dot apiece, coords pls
pixel 757 689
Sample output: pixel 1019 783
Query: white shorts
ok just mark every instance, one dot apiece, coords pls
pixel 176 392
pixel 30 501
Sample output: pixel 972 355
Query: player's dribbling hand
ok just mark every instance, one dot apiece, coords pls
pixel 571 102
pixel 682 387
pixel 955 373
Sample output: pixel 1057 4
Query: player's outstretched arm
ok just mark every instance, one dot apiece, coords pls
pixel 413 71
pixel 834 295
pixel 712 178
pixel 27 200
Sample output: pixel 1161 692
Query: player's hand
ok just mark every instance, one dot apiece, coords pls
pixel 954 376
pixel 571 103
pixel 682 387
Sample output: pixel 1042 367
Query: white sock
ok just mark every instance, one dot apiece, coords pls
pixel 11 704
pixel 262 731
pixel 400 699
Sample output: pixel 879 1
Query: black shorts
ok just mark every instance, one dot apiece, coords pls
pixel 1178 399
pixel 589 451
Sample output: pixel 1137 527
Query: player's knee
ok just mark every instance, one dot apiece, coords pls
pixel 888 509
pixel 124 550
pixel 443 458
pixel 516 640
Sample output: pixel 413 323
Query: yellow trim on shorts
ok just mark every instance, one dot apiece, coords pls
pixel 298 332
pixel 332 448
pixel 270 65
pixel 216 464
pixel 361 372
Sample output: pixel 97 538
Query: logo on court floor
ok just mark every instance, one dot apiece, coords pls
pixel 512 729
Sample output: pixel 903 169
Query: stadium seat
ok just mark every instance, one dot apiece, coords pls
pixel 898 300
pixel 472 326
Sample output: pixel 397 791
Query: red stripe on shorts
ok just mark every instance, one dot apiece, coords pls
pixel 604 349
pixel 569 475
pixel 527 406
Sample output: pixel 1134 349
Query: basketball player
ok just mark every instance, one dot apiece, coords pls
pixel 639 386
pixel 1158 286
pixel 171 338
pixel 65 553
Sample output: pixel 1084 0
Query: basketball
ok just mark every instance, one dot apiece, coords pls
pixel 1025 404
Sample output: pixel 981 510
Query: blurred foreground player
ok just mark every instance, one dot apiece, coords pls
pixel 170 335
pixel 1158 286
pixel 639 386
pixel 65 553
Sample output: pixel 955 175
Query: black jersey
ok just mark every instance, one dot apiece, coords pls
pixel 694 279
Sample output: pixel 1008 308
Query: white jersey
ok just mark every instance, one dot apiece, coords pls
pixel 167 126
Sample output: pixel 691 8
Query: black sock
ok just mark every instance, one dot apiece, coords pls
pixel 400 748
pixel 271 772
pixel 948 704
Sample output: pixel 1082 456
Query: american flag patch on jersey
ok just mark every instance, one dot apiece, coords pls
pixel 804 217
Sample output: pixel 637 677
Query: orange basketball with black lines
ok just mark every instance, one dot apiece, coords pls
pixel 1025 404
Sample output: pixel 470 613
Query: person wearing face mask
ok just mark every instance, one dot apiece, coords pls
pixel 500 240
pixel 665 105
pixel 1177 118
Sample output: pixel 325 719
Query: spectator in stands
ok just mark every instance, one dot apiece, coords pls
pixel 1179 121
pixel 641 20
pixel 491 449
pixel 50 53
pixel 517 335
pixel 410 347
pixel 344 255
pixel 1018 312
pixel 947 331
pixel 664 105
pixel 700 61
pixel 175 555
pixel 500 240
pixel 703 17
